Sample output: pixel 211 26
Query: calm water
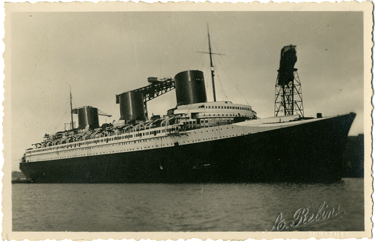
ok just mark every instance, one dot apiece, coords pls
pixel 181 207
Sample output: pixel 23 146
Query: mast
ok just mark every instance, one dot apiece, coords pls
pixel 212 65
pixel 71 108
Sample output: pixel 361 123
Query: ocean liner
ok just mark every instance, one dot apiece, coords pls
pixel 197 140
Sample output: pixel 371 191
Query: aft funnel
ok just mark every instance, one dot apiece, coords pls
pixel 87 116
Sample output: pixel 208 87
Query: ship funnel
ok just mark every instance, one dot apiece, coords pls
pixel 190 87
pixel 131 106
pixel 87 116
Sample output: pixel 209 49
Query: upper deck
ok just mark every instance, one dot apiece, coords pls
pixel 185 117
pixel 214 110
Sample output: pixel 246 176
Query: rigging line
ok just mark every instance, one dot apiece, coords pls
pixel 229 73
pixel 234 82
pixel 212 67
pixel 203 67
pixel 58 121
pixel 73 100
pixel 206 85
pixel 222 88
pixel 203 62
pixel 74 103
pixel 214 47
pixel 202 44
pixel 221 84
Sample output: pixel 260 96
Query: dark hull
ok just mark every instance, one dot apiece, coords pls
pixel 310 152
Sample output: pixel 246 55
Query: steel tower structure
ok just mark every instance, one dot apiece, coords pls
pixel 288 89
pixel 155 89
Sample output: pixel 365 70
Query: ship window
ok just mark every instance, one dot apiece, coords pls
pixel 222 107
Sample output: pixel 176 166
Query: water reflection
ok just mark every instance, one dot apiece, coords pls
pixel 180 207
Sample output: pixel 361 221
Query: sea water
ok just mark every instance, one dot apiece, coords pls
pixel 187 207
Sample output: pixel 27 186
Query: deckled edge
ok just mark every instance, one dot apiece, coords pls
pixel 7 234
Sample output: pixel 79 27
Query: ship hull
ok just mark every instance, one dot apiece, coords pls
pixel 308 152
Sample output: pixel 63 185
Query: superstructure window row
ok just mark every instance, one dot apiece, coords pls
pixel 228 107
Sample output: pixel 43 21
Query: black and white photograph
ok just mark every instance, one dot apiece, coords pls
pixel 188 118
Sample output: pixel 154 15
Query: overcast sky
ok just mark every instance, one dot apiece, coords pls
pixel 103 54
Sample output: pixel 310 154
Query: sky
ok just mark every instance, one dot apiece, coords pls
pixel 101 54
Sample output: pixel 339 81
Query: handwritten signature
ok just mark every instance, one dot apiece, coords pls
pixel 303 218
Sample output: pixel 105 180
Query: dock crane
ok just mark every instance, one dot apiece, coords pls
pixel 156 88
pixel 101 113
